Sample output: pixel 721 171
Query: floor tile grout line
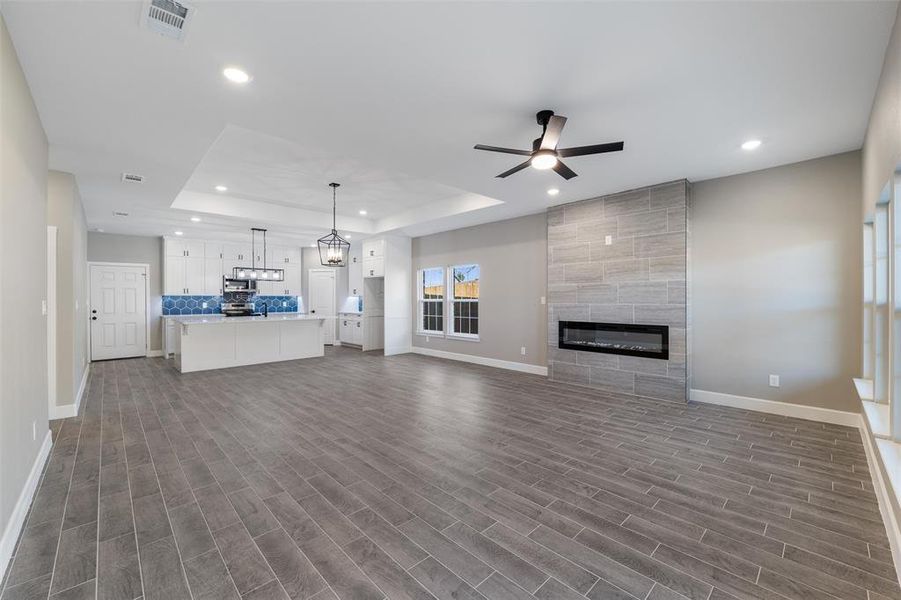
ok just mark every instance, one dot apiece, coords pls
pixel 69 489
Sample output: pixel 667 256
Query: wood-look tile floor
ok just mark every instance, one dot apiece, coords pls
pixel 360 476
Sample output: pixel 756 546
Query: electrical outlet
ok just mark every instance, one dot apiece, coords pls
pixel 284 305
pixel 34 430
pixel 543 300
pixel 204 305
pixel 44 307
pixel 426 338
pixel 774 381
pixel 608 240
pixel 522 350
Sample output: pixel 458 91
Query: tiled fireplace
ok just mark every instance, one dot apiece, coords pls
pixel 617 293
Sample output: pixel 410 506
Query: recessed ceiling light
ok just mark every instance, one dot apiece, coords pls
pixel 98 230
pixel 195 219
pixel 348 236
pixel 179 233
pixel 236 75
pixel 751 145
pixel 312 245
pixel 363 212
pixel 221 188
pixel 553 192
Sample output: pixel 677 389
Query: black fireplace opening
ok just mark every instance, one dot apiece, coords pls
pixel 648 341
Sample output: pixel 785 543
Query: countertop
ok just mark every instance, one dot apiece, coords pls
pixel 212 319
pixel 219 316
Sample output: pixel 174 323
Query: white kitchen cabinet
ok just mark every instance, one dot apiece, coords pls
pixel 283 255
pixel 236 255
pixel 373 267
pixel 179 247
pixel 184 268
pixel 174 276
pixel 290 286
pixel 373 248
pixel 350 329
pixel 355 272
pixel 212 276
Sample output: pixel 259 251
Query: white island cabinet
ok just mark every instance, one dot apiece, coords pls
pixel 204 343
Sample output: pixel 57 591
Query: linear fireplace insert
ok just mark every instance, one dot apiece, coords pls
pixel 649 341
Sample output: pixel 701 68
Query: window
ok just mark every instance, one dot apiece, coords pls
pixel 431 300
pixel 464 280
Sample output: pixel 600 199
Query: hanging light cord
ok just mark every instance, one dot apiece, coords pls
pixel 334 207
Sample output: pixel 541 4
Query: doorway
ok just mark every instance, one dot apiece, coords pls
pixel 322 300
pixel 119 310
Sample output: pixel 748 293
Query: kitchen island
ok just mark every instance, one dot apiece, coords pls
pixel 213 342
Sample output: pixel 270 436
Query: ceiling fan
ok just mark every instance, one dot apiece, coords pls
pixel 545 154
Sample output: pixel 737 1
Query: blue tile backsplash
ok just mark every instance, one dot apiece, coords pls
pixel 193 305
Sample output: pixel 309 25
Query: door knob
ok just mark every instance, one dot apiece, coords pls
pixel 94 311
pixel 93 318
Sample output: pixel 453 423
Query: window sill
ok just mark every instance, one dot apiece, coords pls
pixel 878 414
pixel 437 334
pixel 463 337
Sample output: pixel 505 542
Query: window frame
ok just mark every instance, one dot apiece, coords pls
pixel 420 304
pixel 451 299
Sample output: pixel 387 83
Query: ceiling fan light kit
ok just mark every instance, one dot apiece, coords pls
pixel 333 248
pixel 545 154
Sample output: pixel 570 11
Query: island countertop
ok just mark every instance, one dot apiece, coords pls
pixel 219 319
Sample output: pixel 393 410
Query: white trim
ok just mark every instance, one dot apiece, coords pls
pixel 482 360
pixel 146 266
pixel 52 383
pixel 786 409
pixel 154 353
pixel 20 510
pixel 71 410
pixel 884 493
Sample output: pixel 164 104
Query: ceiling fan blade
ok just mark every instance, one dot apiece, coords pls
pixel 504 150
pixel 551 136
pixel 596 149
pixel 564 171
pixel 517 169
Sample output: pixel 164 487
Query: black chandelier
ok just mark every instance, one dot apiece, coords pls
pixel 333 248
pixel 254 272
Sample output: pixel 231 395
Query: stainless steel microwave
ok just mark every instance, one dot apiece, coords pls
pixel 230 284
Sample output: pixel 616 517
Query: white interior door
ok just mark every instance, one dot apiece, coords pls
pixel 118 311
pixel 322 299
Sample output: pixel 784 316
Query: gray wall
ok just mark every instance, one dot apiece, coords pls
pixel 638 278
pixel 108 247
pixel 23 281
pixel 882 144
pixel 512 255
pixel 65 211
pixel 776 271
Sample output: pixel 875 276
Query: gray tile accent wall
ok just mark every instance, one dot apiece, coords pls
pixel 640 277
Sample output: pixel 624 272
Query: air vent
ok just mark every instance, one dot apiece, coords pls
pixel 167 18
pixel 119 213
pixel 132 178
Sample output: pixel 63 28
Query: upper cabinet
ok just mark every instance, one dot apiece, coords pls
pixel 374 258
pixel 196 267
pixel 180 247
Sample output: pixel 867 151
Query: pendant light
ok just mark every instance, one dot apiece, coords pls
pixel 333 248
pixel 259 274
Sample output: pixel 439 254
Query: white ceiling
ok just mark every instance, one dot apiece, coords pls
pixel 389 98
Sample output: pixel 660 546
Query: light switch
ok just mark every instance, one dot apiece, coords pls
pixel 543 300
pixel 608 240
pixel 44 307
pixel 774 381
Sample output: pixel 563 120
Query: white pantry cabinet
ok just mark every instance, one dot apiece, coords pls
pixel 355 272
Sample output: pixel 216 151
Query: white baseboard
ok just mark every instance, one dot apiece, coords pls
pixel 884 492
pixel 71 410
pixel 785 409
pixel 481 360
pixel 20 510
pixel 154 353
